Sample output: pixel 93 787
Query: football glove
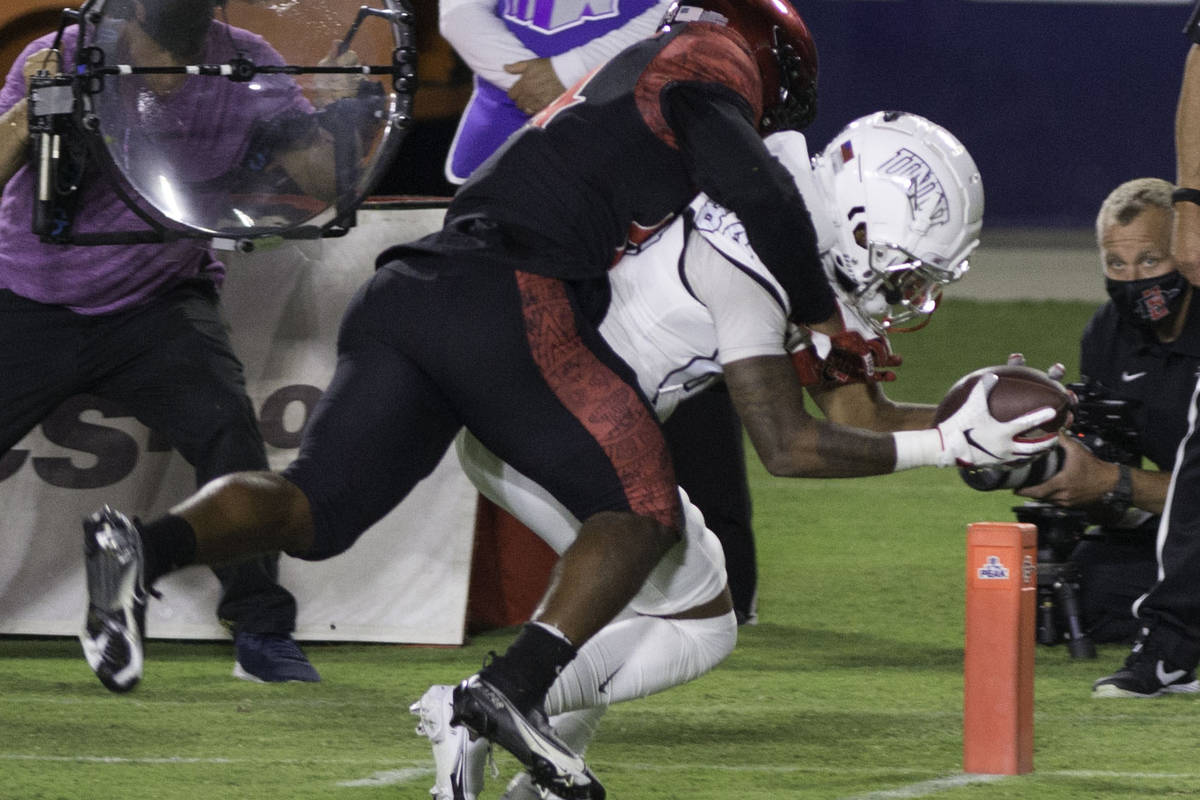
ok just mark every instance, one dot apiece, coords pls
pixel 851 359
pixel 972 437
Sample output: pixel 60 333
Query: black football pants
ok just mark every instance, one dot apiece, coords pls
pixel 169 364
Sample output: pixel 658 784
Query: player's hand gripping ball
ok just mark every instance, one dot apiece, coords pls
pixel 1018 391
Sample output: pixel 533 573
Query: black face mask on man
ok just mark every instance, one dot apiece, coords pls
pixel 1147 301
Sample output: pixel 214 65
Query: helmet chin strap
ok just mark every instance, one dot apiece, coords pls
pixel 925 319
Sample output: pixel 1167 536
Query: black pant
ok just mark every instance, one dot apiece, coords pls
pixel 1114 571
pixel 429 346
pixel 705 437
pixel 1172 607
pixel 169 364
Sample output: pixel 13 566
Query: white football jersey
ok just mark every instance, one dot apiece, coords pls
pixel 678 314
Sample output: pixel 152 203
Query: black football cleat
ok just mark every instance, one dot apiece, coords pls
pixel 554 767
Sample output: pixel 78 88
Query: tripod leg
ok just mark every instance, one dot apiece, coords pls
pixel 1047 627
pixel 1079 643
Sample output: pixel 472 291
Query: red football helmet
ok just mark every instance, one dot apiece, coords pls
pixel 782 45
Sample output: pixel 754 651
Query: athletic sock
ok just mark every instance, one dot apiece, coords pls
pixel 168 544
pixel 530 665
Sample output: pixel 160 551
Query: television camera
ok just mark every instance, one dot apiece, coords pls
pixel 1104 425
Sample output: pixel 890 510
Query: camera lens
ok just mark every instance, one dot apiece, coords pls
pixel 1038 469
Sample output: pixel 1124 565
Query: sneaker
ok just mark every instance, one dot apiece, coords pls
pixel 1145 674
pixel 486 712
pixel 271 658
pixel 113 633
pixel 458 764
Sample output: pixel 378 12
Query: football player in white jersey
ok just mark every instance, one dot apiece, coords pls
pixel 897 203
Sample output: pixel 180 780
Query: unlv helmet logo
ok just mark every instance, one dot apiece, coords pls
pixel 926 195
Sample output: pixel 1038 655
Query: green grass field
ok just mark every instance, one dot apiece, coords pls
pixel 850 687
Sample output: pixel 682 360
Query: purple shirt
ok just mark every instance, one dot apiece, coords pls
pixel 214 117
pixel 548 28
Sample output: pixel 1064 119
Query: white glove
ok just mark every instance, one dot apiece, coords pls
pixel 972 437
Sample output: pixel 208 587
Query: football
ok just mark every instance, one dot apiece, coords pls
pixel 1018 391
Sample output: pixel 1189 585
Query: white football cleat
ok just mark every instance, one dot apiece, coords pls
pixel 115 626
pixel 458 764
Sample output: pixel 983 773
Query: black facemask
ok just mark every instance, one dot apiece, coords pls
pixel 1147 301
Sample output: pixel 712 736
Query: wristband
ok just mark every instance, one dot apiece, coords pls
pixel 1185 195
pixel 920 449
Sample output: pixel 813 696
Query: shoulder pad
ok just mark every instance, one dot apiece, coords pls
pixel 721 228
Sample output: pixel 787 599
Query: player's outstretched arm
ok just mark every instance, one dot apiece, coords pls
pixel 845 374
pixel 791 443
pixel 865 405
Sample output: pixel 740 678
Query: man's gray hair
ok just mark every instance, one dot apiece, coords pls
pixel 1127 201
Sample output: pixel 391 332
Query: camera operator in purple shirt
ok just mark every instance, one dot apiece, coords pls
pixel 140 325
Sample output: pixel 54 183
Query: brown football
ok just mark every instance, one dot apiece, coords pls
pixel 1018 391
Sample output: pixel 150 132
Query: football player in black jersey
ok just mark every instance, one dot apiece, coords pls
pixel 490 324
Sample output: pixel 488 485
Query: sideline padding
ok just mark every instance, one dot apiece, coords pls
pixel 1001 597
pixel 406 580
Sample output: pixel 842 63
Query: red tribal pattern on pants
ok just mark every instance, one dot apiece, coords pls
pixel 611 410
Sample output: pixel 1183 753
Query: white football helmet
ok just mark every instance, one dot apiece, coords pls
pixel 907 202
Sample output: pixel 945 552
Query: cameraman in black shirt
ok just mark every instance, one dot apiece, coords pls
pixel 1142 347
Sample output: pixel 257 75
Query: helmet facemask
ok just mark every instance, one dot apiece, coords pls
pixel 797 106
pixel 908 207
pixel 902 291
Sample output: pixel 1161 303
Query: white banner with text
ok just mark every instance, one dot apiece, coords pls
pixel 406 579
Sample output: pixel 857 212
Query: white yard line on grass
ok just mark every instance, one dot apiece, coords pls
pixel 413 771
pixel 114 759
pixel 390 777
pixel 1104 773
pixel 931 787
pixel 361 762
pixel 926 788
pixel 380 778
